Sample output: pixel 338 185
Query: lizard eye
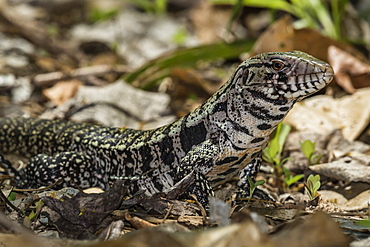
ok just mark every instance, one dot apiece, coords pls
pixel 277 65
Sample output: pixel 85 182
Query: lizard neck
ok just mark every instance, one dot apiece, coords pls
pixel 237 117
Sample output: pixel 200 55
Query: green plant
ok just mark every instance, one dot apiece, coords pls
pixel 317 14
pixel 12 196
pixel 312 185
pixel 33 214
pixel 151 6
pixel 155 70
pixel 179 37
pixel 272 153
pixel 98 15
pixel 365 223
pixel 252 187
pixel 308 149
pixel 289 179
pixel 52 29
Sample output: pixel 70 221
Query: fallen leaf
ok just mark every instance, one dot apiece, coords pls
pixel 282 36
pixel 318 230
pixel 210 22
pixel 191 220
pixel 145 237
pixel 83 214
pixel 346 67
pixel 245 234
pixel 324 114
pixel 359 202
pixel 192 81
pixel 332 197
pixel 62 91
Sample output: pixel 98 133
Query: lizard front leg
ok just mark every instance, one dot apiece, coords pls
pixel 200 160
pixel 250 170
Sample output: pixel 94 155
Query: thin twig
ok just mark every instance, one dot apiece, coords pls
pixel 168 212
pixel 202 209
pixel 39 189
pixel 9 203
pixel 49 79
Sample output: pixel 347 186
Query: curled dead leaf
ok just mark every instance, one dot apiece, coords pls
pixel 346 67
pixel 62 91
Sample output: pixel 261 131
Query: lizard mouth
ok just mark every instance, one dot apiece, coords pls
pixel 296 86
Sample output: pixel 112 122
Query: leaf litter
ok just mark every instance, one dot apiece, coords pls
pixel 81 81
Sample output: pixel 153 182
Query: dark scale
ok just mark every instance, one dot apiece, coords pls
pixel 220 139
pixel 264 126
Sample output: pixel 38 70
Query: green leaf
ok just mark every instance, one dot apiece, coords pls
pixel 238 7
pixel 31 215
pixel 289 179
pixel 296 178
pixel 316 186
pixel 259 182
pixel 316 14
pixel 252 187
pixel 12 196
pixel 98 15
pixel 315 178
pixel 308 192
pixel 179 37
pixel 316 158
pixel 312 185
pixel 364 223
pixel 308 148
pixel 285 160
pixel 250 181
pixel 39 204
pixel 283 134
pixel 272 153
pixel 157 69
pixel 271 4
pixel 286 172
pixel 273 149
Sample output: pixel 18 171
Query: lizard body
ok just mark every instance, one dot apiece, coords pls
pixel 218 140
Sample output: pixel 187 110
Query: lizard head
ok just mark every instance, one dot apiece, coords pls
pixel 283 75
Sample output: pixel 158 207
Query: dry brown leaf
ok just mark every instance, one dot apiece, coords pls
pixel 191 220
pixel 282 36
pixel 143 238
pixel 207 31
pixel 193 81
pixel 318 230
pixel 323 114
pixel 62 91
pixel 210 23
pixel 332 197
pixel 357 203
pixel 346 67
